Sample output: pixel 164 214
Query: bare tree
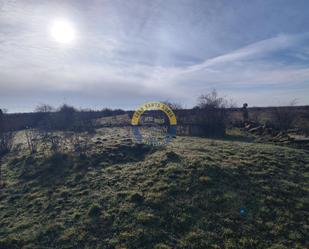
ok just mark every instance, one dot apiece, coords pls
pixel 44 108
pixel 212 100
pixel 173 105
pixel 212 114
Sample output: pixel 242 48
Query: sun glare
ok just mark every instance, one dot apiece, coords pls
pixel 62 31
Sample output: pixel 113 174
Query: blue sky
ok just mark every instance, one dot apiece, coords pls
pixel 128 52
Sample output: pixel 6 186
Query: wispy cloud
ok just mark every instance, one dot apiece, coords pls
pixel 252 67
pixel 125 54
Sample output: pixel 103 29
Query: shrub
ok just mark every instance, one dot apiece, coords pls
pixel 283 117
pixel 64 118
pixel 211 115
pixel 6 142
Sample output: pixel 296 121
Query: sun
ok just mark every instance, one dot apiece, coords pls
pixel 62 31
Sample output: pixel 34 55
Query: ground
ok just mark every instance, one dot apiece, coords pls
pixel 193 193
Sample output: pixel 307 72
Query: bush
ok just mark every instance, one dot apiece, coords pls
pixel 65 118
pixel 283 118
pixel 211 114
pixel 212 101
pixel 6 142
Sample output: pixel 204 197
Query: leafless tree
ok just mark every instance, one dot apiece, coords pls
pixel 212 113
pixel 212 100
pixel 44 108
pixel 173 105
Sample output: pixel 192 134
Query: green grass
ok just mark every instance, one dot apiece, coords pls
pixel 194 193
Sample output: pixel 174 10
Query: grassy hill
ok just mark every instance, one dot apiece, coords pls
pixel 194 193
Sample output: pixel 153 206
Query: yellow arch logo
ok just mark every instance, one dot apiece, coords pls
pixel 154 106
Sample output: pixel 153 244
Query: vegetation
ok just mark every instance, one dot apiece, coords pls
pixel 194 193
pixel 67 183
pixel 212 115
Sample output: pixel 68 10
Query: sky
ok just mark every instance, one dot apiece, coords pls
pixel 125 53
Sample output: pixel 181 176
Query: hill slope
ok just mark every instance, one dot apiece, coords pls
pixel 195 193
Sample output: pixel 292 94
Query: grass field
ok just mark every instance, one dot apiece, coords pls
pixel 193 193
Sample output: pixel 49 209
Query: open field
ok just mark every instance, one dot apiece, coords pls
pixel 193 193
pixel 154 124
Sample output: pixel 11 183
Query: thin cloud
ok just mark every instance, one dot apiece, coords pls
pixel 135 52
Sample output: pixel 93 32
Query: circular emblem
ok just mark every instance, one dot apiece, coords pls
pixel 150 127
